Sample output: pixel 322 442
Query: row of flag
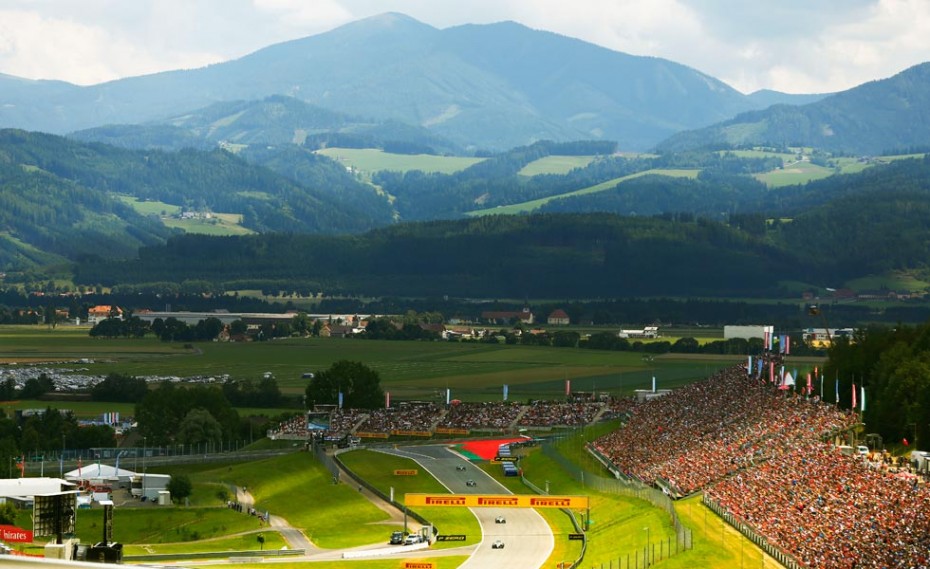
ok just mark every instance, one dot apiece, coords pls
pixel 784 342
pixel 785 380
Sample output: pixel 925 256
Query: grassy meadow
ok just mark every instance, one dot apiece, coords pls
pixel 218 224
pixel 532 205
pixel 558 165
pixel 421 370
pixel 370 160
pixel 794 173
pixel 378 469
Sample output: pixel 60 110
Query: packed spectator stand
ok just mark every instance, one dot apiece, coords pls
pixel 765 456
pixel 487 415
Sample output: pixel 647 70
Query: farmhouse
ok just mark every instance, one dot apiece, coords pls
pixel 101 312
pixel 821 337
pixel 558 318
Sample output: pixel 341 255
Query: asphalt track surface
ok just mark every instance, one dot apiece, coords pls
pixel 527 538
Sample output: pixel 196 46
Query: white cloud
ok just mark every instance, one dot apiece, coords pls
pixel 317 14
pixel 790 45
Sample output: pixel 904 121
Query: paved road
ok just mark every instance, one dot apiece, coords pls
pixel 527 537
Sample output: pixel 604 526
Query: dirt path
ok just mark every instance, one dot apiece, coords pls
pixel 294 537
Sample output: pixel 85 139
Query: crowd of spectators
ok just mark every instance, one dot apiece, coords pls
pixel 342 421
pixel 405 417
pixel 496 415
pixel 296 425
pixel 549 414
pixel 833 511
pixel 701 432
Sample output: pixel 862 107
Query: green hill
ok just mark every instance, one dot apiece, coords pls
pixel 275 120
pixel 880 116
pixel 58 197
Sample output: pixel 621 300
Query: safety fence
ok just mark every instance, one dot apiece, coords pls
pixel 335 466
pixel 654 551
pixel 752 535
pixel 571 516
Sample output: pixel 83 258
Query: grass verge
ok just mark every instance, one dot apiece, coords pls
pixel 378 470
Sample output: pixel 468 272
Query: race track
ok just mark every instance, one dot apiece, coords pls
pixel 527 538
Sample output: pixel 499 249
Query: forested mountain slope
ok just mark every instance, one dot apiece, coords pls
pixel 880 116
pixel 59 195
pixel 275 120
pixel 575 256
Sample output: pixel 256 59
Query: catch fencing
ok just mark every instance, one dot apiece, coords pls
pixel 654 551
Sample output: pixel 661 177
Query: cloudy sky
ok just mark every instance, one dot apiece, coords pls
pixel 796 46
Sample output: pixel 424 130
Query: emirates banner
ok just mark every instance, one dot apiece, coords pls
pixel 14 534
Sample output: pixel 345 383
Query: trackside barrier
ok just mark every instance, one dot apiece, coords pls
pixel 382 551
pixel 653 552
pixel 744 528
pixel 213 554
pixel 332 462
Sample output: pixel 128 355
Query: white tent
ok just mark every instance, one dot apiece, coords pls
pixel 98 472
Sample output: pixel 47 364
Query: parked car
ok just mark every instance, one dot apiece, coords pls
pixel 497 545
pixel 413 538
pixel 397 538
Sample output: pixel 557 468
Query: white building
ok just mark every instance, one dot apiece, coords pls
pixel 23 490
pixel 748 332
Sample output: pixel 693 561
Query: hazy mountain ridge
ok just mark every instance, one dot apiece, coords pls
pixel 488 86
pixel 275 120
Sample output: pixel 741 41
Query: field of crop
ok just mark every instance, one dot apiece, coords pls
pixel 370 160
pixel 892 281
pixel 555 165
pixel 219 224
pixel 794 173
pixel 408 369
pixel 532 205
pixel 150 207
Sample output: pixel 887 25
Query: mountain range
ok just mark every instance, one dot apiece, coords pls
pixel 881 116
pixel 481 86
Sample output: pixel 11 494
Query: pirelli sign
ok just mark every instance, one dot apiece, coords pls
pixel 419 565
pixel 496 501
